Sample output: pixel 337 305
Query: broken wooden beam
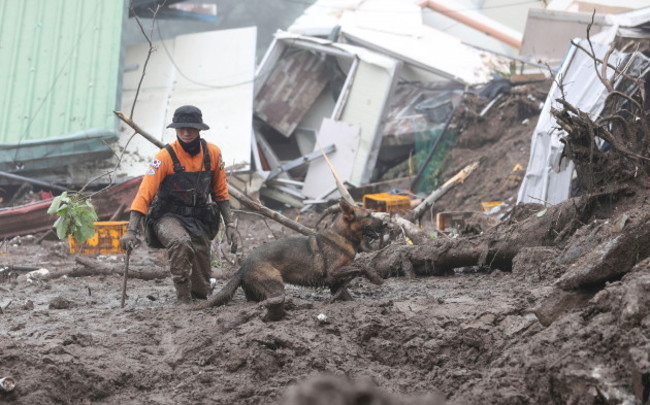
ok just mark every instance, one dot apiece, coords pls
pixel 300 161
pixel 460 177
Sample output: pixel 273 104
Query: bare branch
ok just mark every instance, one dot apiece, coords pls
pixel 593 56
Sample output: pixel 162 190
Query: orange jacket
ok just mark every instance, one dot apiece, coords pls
pixel 162 166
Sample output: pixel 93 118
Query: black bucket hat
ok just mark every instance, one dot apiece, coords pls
pixel 188 116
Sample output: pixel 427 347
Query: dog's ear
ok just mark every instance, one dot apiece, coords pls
pixel 347 209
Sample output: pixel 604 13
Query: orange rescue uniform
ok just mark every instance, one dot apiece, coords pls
pixel 162 166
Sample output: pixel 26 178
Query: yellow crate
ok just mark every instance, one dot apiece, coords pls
pixel 105 241
pixel 385 202
pixel 488 205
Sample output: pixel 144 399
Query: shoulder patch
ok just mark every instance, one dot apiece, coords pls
pixel 151 171
pixel 156 163
pixel 221 163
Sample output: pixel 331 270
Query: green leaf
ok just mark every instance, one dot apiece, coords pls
pixel 56 202
pixel 63 209
pixel 76 217
pixel 542 213
pixel 84 233
pixel 61 226
pixel 58 222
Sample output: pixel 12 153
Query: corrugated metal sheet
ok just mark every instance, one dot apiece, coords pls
pixel 548 175
pixel 60 67
pixel 295 82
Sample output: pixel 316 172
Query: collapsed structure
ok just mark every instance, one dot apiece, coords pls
pixel 347 80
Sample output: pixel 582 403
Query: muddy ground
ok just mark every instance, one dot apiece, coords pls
pixel 478 336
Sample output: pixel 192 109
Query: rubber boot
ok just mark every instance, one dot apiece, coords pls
pixel 183 292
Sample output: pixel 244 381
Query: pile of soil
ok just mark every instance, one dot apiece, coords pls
pixel 499 140
pixel 491 337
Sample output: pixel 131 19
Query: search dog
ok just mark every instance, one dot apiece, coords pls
pixel 319 260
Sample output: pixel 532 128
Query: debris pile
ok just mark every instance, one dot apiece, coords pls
pixel 519 272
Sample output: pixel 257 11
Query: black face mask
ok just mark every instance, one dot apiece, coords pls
pixel 193 148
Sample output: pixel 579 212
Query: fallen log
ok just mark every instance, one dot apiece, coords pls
pixel 91 267
pixel 495 249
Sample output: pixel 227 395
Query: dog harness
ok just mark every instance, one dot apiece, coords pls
pixel 315 244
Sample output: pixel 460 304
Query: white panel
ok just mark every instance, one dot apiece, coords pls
pixel 364 107
pixel 150 107
pixel 211 70
pixel 319 177
pixel 460 62
pixel 218 68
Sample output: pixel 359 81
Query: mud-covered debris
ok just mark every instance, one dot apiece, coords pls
pixel 322 318
pixel 333 390
pixel 7 384
pixel 60 303
pixel 640 368
pixel 28 305
pixel 36 274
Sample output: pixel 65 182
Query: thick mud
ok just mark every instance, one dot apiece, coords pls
pixel 474 337
pixel 407 336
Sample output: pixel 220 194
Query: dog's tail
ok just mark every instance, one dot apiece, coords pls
pixel 224 295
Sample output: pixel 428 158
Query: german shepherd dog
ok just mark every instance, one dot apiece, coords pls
pixel 320 260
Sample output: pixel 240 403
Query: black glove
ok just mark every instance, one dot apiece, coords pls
pixel 130 240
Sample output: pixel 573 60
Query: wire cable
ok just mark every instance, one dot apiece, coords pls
pixel 178 69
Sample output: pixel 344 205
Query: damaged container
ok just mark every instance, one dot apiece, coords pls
pixel 386 202
pixel 105 241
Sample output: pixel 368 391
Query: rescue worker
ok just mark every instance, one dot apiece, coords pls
pixel 181 198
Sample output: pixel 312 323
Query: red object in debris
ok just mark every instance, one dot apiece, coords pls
pixel 32 218
pixel 46 194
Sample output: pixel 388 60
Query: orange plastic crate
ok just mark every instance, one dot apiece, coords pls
pixel 105 241
pixel 385 202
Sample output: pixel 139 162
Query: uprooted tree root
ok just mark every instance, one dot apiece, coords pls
pixel 599 164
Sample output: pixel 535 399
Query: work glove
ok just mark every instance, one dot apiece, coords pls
pixel 233 238
pixel 130 240
pixel 231 233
